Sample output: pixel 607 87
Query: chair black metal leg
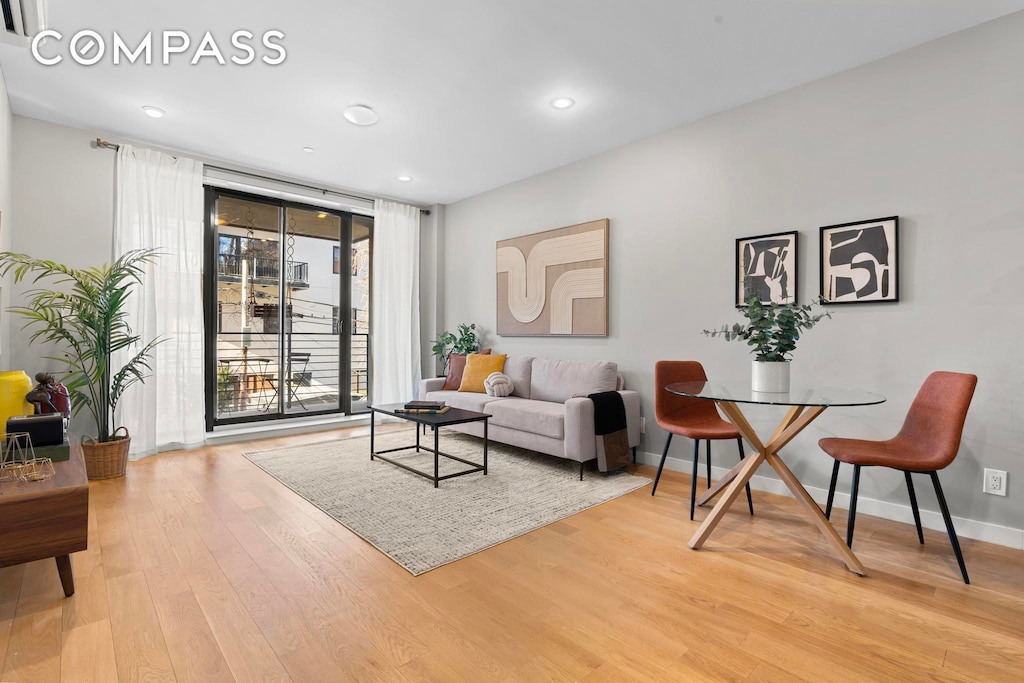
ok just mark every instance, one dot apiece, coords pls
pixel 853 506
pixel 913 506
pixel 832 490
pixel 949 525
pixel 707 447
pixel 634 455
pixel 581 471
pixel 750 501
pixel 693 475
pixel 661 465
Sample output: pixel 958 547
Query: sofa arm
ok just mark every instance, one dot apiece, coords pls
pixel 580 439
pixel 580 444
pixel 428 385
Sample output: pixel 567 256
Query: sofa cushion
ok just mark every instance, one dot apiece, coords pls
pixel 518 369
pixel 537 417
pixel 456 366
pixel 560 380
pixel 478 367
pixel 464 400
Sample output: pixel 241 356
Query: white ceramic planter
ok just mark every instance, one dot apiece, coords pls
pixel 771 377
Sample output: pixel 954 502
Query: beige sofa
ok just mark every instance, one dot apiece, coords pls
pixel 548 410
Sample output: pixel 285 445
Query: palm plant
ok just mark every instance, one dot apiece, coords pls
pixel 86 316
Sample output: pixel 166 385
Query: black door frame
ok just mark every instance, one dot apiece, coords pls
pixel 210 245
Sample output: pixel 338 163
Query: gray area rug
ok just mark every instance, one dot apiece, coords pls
pixel 422 528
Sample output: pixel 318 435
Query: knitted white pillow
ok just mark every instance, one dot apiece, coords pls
pixel 498 384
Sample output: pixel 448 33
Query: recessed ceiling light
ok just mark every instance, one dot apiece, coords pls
pixel 321 215
pixel 562 102
pixel 155 112
pixel 405 178
pixel 361 115
pixel 308 150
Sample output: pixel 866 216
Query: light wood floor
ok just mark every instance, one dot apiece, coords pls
pixel 202 568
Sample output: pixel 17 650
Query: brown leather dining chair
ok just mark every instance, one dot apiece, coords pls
pixel 693 418
pixel 928 442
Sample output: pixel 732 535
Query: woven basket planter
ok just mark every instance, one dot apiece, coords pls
pixel 107 460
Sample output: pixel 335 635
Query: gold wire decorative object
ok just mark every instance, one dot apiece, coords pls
pixel 18 461
pixel 37 469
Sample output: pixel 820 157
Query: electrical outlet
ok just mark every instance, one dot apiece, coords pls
pixel 995 482
pixel 643 425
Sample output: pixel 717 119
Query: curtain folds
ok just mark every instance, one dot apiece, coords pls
pixel 159 205
pixel 396 302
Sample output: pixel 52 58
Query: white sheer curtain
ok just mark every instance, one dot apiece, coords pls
pixel 160 206
pixel 396 302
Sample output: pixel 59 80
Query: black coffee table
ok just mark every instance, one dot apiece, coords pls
pixel 453 416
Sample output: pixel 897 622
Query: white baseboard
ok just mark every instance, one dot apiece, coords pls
pixel 967 528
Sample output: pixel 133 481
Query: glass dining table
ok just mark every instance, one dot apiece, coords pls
pixel 805 404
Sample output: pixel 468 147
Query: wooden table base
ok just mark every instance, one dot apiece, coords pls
pixel 795 421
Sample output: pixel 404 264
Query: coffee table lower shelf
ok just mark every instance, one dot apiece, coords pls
pixel 452 417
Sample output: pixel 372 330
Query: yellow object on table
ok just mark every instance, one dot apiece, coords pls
pixel 14 384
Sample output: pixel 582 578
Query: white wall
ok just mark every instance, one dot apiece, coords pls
pixel 431 286
pixel 6 214
pixel 64 210
pixel 934 135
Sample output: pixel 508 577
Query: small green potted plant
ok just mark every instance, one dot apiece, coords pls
pixel 85 315
pixel 465 342
pixel 772 330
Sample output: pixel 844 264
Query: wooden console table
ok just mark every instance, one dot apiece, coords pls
pixel 50 518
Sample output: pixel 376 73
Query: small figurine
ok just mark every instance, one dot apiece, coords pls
pixel 49 396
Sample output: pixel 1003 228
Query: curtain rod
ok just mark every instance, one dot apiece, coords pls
pixel 104 144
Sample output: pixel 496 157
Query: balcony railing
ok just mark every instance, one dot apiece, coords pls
pixel 306 379
pixel 264 270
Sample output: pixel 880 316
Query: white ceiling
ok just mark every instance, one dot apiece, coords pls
pixel 461 86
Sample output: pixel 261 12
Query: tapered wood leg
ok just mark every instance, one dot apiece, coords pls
pixel 749 466
pixel 67 579
pixel 795 421
pixel 839 548
pixel 720 485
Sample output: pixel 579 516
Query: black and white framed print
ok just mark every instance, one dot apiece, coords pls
pixel 860 262
pixel 766 268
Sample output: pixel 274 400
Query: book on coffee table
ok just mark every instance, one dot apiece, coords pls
pixel 424 411
pixel 424 405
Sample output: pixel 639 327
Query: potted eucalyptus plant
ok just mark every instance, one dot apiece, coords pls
pixel 85 316
pixel 772 330
pixel 448 343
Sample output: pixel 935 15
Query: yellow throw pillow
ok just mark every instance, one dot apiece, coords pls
pixel 477 369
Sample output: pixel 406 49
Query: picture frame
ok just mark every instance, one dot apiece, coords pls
pixel 554 283
pixel 860 262
pixel 766 267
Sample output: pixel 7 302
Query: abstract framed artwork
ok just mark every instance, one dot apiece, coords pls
pixel 554 282
pixel 860 262
pixel 766 268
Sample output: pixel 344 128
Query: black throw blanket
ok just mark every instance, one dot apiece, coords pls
pixel 610 427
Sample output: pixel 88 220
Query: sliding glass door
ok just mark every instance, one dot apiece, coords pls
pixel 287 309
